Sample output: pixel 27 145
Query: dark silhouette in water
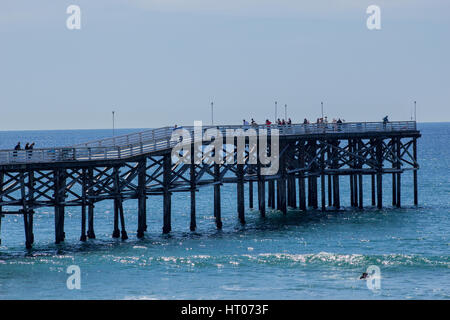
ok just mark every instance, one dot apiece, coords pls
pixel 365 275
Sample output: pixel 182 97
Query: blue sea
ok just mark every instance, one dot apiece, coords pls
pixel 310 255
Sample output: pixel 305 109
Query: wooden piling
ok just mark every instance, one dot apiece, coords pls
pixel 116 231
pixel 301 192
pixel 1 199
pixel 350 176
pixel 193 224
pixel 322 188
pixel 123 232
pixel 379 155
pixel 329 182
pixel 399 175
pixel 25 211
pixel 83 236
pixel 271 194
pixel 142 198
pixel 167 201
pixel 394 165
pixel 250 194
pixel 90 192
pixel 372 179
pixel 301 177
pixel 31 201
pixel 240 193
pixel 360 178
pixel 262 196
pixel 217 204
pixel 292 191
pixel 282 183
pixel 59 185
pixel 416 167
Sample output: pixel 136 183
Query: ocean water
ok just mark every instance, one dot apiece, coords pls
pixel 310 255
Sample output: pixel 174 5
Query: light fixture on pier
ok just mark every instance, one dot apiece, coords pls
pixel 113 122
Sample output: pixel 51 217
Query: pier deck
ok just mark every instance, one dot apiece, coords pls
pixel 311 158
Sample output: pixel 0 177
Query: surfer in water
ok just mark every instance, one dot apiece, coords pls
pixel 365 275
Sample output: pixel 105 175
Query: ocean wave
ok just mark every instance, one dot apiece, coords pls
pixel 325 259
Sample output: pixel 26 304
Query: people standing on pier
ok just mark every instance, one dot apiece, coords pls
pixel 27 148
pixel 16 148
pixel 385 121
pixel 339 124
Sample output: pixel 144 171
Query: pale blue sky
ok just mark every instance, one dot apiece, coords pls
pixel 160 62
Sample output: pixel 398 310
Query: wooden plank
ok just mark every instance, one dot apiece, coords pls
pixel 142 198
pixel 167 202
pixel 415 190
pixel 90 181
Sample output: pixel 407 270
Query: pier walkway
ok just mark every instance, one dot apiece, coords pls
pixel 139 165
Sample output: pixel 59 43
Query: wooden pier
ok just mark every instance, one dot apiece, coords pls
pixel 140 165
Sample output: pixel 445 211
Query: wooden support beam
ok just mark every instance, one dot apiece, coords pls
pixel 322 187
pixel 360 178
pixel 310 199
pixel 322 181
pixel 59 188
pixel 301 192
pixel 315 192
pixel 278 196
pixel 26 226
pixel 250 194
pixel 123 232
pixel 217 203
pixel 116 231
pixel 394 165
pixel 301 177
pixel 336 195
pixel 416 198
pixel 240 193
pixel 90 192
pixel 262 186
pixel 262 196
pixel 282 183
pixel 329 182
pixel 289 191
pixel 193 224
pixel 352 188
pixel 1 199
pixel 271 194
pixel 142 198
pixel 167 205
pixel 83 236
pixel 292 191
pixel 379 154
pixel 399 175
pixel 30 202
pixel 372 179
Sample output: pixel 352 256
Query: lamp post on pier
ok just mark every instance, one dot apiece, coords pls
pixel 113 122
pixel 276 111
pixel 321 108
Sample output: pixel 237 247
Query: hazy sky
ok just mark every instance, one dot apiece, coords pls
pixel 161 62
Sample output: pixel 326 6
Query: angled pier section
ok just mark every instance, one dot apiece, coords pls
pixel 310 159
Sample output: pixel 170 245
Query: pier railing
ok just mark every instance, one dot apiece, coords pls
pixel 152 140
